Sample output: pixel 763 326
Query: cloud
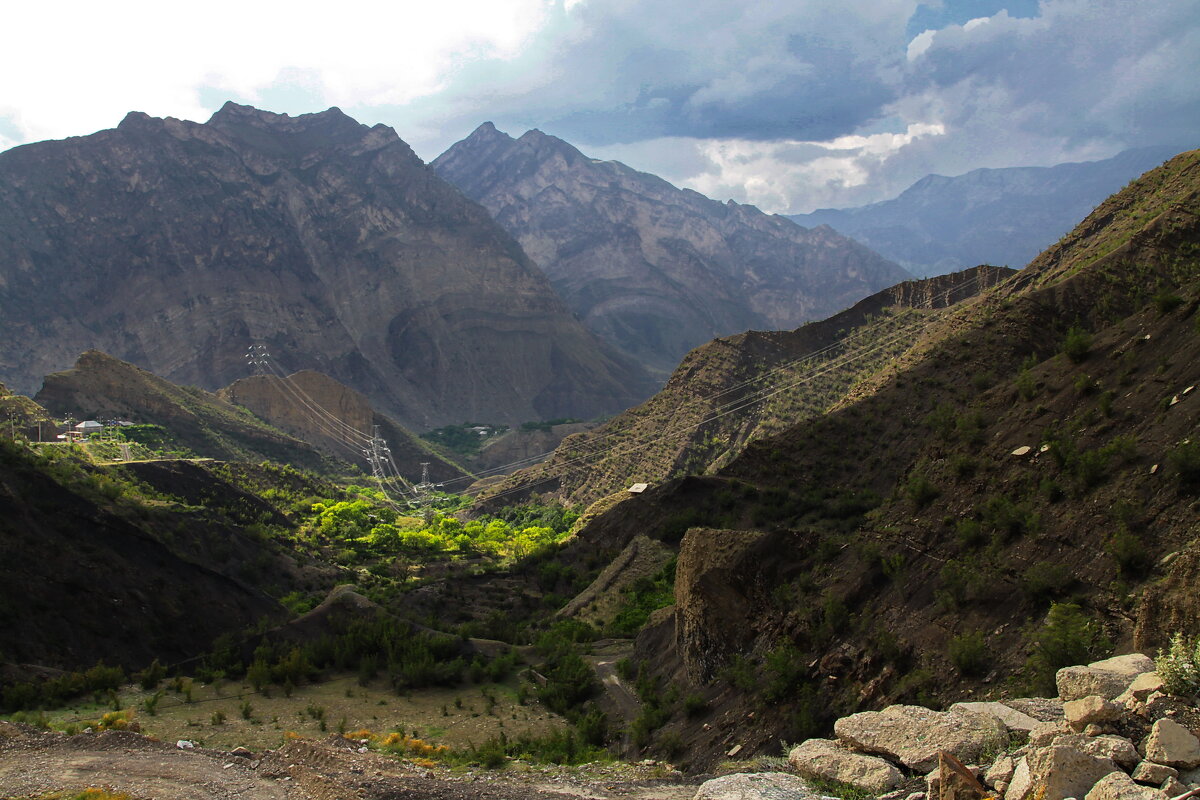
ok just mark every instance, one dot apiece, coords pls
pixel 75 67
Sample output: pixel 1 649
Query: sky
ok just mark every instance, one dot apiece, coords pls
pixel 790 105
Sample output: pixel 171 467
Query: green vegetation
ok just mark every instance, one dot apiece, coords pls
pixel 1179 667
pixel 466 439
pixel 1067 637
pixel 645 596
pixel 969 654
pixel 1077 344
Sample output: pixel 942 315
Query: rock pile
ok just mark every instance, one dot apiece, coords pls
pixel 1111 734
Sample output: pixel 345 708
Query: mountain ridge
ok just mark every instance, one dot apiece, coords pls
pixel 653 269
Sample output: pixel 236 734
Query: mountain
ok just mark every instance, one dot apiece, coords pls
pixel 1017 491
pixel 987 216
pixel 737 389
pixel 175 245
pixel 335 418
pixel 653 269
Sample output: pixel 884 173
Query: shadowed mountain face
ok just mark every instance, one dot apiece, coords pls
pixel 174 245
pixel 653 269
pixel 987 216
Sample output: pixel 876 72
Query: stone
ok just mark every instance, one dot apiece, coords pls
pixel 756 786
pixel 1107 678
pixel 1155 774
pixel 1089 710
pixel 1045 733
pixel 1021 784
pixel 1172 744
pixel 821 758
pixel 957 781
pixel 1172 787
pixel 1013 719
pixel 241 752
pixel 914 735
pixel 1119 786
pixel 1058 772
pixel 1191 778
pixel 1142 687
pixel 1115 748
pixel 1043 709
pixel 1001 771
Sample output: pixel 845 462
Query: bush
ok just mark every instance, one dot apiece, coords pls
pixel 1077 344
pixel 1179 667
pixel 1044 581
pixel 1067 637
pixel 1128 551
pixel 1185 461
pixel 920 490
pixel 969 654
pixel 1167 301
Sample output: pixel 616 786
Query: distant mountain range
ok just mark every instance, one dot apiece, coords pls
pixel 987 216
pixel 174 245
pixel 653 269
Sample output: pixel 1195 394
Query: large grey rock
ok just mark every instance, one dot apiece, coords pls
pixel 756 786
pixel 914 735
pixel 1091 709
pixel 1043 709
pixel 1142 687
pixel 1149 772
pixel 1119 786
pixel 1107 678
pixel 1172 744
pixel 1013 719
pixel 1001 771
pixel 821 758
pixel 1057 772
pixel 1044 733
pixel 1115 748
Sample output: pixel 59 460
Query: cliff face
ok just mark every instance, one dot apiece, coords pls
pixel 174 245
pixel 653 269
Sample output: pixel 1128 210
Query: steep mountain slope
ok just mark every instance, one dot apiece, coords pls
pixel 209 426
pixel 1036 446
pixel 992 216
pixel 82 578
pixel 175 245
pixel 745 387
pixel 654 269
pixel 319 410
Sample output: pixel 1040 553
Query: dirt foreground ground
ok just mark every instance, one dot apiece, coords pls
pixel 36 764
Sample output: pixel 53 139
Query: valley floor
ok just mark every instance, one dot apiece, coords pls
pixel 36 764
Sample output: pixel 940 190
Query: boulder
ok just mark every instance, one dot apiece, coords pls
pixel 1191 778
pixel 1119 786
pixel 1172 744
pixel 1013 719
pixel 1089 710
pixel 1173 787
pixel 756 786
pixel 1107 678
pixel 821 758
pixel 1043 709
pixel 1001 771
pixel 1142 687
pixel 1044 733
pixel 914 735
pixel 1057 772
pixel 1115 748
pixel 956 781
pixel 1154 774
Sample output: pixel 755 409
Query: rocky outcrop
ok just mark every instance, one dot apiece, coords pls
pixel 1107 679
pixel 710 610
pixel 914 735
pixel 175 245
pixel 1054 763
pixel 826 760
pixel 654 269
pixel 756 786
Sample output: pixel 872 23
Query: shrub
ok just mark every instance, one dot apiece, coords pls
pixel 1179 667
pixel 1167 301
pixel 1185 461
pixel 1077 344
pixel 920 490
pixel 694 705
pixel 969 654
pixel 1067 637
pixel 1128 551
pixel 1044 581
